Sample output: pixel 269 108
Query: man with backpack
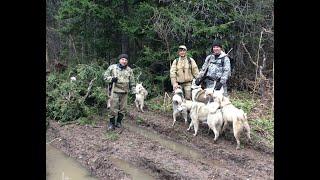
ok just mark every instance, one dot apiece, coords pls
pixel 216 69
pixel 183 70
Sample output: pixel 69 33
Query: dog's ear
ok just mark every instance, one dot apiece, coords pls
pixel 221 90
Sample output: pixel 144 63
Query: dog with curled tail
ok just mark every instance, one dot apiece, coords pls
pixel 234 115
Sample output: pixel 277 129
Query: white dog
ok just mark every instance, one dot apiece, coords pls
pixel 179 105
pixel 199 113
pixel 187 104
pixel 215 121
pixel 141 94
pixel 232 114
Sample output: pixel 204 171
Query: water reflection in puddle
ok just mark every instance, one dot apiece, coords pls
pixel 134 172
pixel 61 167
pixel 177 147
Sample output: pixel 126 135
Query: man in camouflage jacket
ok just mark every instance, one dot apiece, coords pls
pixel 121 75
pixel 183 70
pixel 214 69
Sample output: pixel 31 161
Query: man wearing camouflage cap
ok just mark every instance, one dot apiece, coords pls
pixel 183 70
pixel 121 76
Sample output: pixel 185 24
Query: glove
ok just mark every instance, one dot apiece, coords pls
pixel 218 86
pixel 114 79
pixel 198 81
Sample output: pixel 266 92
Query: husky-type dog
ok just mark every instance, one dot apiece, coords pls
pixel 199 113
pixel 141 94
pixel 236 116
pixel 197 93
pixel 179 106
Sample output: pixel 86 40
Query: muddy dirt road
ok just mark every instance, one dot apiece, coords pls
pixel 149 145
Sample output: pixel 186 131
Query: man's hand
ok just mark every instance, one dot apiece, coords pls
pixel 114 79
pixel 223 81
pixel 198 81
pixel 175 86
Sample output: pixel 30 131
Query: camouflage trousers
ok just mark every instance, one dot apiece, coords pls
pixel 186 88
pixel 118 104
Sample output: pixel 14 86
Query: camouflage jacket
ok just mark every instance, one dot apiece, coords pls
pixel 216 69
pixel 181 71
pixel 125 76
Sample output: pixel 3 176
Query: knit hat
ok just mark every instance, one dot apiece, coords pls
pixel 123 56
pixel 217 43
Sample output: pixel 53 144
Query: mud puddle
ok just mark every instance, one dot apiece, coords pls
pixel 177 147
pixel 60 166
pixel 134 172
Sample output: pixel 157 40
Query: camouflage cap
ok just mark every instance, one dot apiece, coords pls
pixel 183 47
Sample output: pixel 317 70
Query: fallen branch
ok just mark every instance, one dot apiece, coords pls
pixel 97 126
pixel 59 139
pixel 166 103
pixel 89 88
pixel 267 31
pixel 68 122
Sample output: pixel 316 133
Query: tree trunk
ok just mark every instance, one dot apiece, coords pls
pixel 124 37
pixel 47 58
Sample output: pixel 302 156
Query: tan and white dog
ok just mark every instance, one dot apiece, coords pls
pixel 236 116
pixel 197 93
pixel 141 94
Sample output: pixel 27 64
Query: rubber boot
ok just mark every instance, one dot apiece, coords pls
pixel 111 124
pixel 119 120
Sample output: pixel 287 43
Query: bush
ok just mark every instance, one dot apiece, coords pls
pixel 67 101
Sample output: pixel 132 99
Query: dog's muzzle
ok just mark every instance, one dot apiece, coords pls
pixel 180 108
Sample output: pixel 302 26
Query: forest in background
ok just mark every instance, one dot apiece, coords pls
pixel 97 31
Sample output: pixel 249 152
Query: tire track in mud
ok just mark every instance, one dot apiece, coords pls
pixel 89 146
pixel 258 164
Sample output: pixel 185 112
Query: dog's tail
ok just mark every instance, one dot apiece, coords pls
pixel 145 93
pixel 245 116
pixel 196 108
